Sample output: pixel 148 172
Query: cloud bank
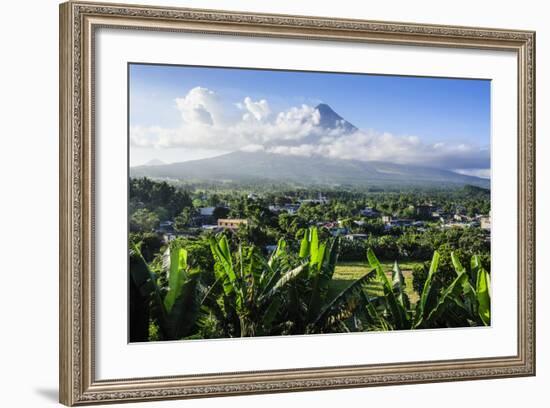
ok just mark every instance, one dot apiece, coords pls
pixel 209 122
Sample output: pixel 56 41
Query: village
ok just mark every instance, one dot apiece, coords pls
pixel 214 219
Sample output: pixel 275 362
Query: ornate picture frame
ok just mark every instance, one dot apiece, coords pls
pixel 78 24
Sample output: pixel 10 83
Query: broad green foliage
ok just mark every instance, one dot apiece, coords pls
pixel 251 295
pixel 175 312
pixel 483 288
pixel 143 220
pixel 459 304
pixel 248 294
pixel 397 308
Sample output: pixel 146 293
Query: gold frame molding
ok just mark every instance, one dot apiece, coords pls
pixel 78 22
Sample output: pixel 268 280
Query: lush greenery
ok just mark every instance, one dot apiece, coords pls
pixel 247 294
pixel 304 261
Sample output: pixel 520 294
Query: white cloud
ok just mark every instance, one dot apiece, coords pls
pixel 376 146
pixel 483 173
pixel 199 106
pixel 251 148
pixel 258 110
pixel 208 122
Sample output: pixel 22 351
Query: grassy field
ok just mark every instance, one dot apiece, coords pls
pixel 347 272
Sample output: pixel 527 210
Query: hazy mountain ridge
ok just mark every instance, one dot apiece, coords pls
pixel 258 166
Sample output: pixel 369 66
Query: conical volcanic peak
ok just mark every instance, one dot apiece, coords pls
pixel 331 120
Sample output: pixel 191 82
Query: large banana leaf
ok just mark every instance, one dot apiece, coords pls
pixel 278 253
pixel 184 312
pixel 270 314
pixel 143 291
pixel 375 320
pixel 322 266
pixel 305 245
pixel 145 281
pixel 317 281
pixel 285 279
pixel 397 310
pixel 344 304
pixel 398 283
pixel 181 304
pixel 177 275
pixel 427 292
pixel 332 258
pixel 313 243
pixel 470 296
pixel 448 296
pixel 475 264
pixel 222 256
pixel 483 295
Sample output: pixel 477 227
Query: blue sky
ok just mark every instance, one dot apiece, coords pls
pixel 435 111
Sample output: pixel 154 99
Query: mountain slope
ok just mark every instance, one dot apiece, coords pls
pixel 331 120
pixel 247 167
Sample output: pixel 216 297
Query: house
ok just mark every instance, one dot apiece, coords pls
pixel 167 238
pixel 320 200
pixel 210 227
pixel 459 224
pixel 401 222
pixel 207 211
pixel 166 227
pixel 485 223
pixel 290 208
pixel 328 224
pixel 424 210
pixel 461 217
pixel 231 224
pixel 356 237
pixel 386 219
pixel 336 232
pixel 369 212
pixel 460 209
pixel 397 222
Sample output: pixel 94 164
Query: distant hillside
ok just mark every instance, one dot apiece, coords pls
pixel 246 167
pixel 154 162
pixel 476 191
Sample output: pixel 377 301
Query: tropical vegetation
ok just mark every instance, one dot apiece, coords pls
pixel 220 286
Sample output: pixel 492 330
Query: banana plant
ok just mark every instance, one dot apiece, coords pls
pixel 428 297
pixel 463 302
pixel 477 297
pixel 321 266
pixel 253 288
pixel 176 310
pixel 395 297
pixel 343 307
pixel 325 314
pixel 483 290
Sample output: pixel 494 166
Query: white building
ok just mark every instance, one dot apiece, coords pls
pixel 207 211
pixel 485 223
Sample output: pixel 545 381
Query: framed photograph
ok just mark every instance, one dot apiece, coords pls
pixel 256 203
